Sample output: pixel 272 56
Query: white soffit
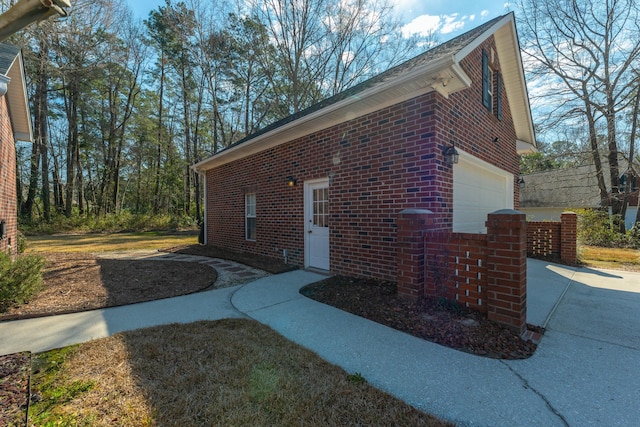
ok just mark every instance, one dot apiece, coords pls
pixel 18 103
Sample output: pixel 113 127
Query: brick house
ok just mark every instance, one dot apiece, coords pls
pixel 547 194
pixel 15 124
pixel 324 187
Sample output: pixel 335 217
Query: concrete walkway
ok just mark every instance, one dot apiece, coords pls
pixel 586 370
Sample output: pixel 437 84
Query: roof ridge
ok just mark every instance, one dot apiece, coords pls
pixel 451 46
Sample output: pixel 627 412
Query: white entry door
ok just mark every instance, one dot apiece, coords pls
pixel 316 220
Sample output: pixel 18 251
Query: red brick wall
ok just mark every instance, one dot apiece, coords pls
pixel 543 239
pixel 569 237
pixel 553 239
pixel 456 268
pixel 507 269
pixel 8 199
pixel 389 160
pixel 483 272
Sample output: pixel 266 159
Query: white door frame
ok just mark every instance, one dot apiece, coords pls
pixel 315 238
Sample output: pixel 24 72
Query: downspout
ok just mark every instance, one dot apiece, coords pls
pixel 25 12
pixel 206 207
pixel 4 85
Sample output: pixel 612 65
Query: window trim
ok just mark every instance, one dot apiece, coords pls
pixel 498 95
pixel 250 216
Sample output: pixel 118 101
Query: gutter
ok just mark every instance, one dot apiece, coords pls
pixel 25 12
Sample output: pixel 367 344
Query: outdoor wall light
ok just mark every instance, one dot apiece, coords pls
pixel 291 182
pixel 521 182
pixel 451 155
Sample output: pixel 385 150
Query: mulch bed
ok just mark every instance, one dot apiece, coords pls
pixel 77 282
pixel 441 322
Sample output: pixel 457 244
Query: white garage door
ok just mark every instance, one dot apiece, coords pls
pixel 478 189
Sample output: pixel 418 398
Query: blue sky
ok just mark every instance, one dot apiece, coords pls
pixel 447 18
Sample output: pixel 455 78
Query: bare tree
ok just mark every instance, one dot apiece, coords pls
pixel 590 49
pixel 325 46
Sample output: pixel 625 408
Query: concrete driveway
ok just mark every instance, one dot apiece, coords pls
pixel 586 371
pixel 588 364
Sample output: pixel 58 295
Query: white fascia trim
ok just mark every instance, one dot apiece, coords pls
pixel 462 53
pixel 524 147
pixel 460 74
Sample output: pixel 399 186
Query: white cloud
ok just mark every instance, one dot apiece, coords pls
pixel 484 13
pixel 452 23
pixel 422 25
pixel 425 25
pixel 406 5
pixel 472 17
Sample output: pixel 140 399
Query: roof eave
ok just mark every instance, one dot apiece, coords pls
pixel 17 101
pixel 442 75
pixel 508 49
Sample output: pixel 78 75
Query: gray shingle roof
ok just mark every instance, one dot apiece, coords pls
pixel 8 54
pixel 573 187
pixel 448 48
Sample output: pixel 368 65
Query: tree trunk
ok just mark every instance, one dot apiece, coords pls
pixel 187 141
pixel 58 198
pixel 156 202
pixel 27 208
pixel 631 172
pixel 595 150
pixel 72 147
pixel 41 125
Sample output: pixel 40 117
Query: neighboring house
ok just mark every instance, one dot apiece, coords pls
pixel 545 195
pixel 324 187
pixel 15 124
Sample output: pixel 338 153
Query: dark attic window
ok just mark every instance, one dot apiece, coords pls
pixel 487 95
pixel 491 87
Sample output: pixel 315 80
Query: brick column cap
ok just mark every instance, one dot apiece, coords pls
pixel 507 212
pixel 415 211
pixel 569 213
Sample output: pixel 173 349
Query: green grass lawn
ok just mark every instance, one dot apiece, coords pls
pixel 611 258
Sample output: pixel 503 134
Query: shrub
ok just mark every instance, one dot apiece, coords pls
pixel 110 223
pixel 595 228
pixel 20 280
pixel 22 243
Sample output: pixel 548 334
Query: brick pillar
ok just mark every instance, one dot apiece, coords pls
pixel 412 226
pixel 568 237
pixel 507 269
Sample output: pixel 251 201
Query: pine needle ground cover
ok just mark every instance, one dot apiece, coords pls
pixel 228 372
